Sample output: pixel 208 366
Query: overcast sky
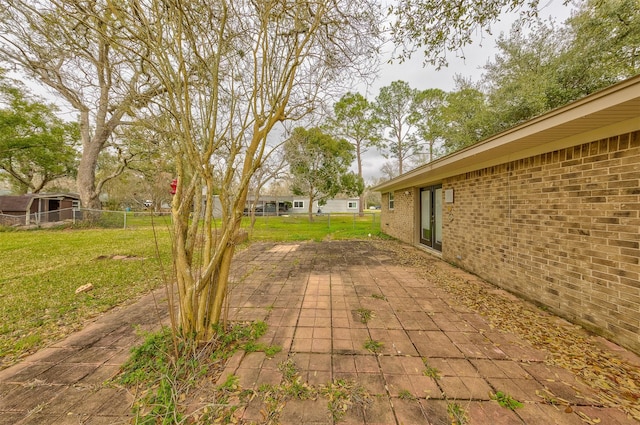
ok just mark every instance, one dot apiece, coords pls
pixel 422 78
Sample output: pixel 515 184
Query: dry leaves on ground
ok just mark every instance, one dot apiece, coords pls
pixel 616 382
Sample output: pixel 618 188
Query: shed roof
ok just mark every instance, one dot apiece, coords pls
pixel 23 202
pixel 15 202
pixel 612 111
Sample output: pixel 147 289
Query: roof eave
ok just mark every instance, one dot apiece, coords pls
pixel 615 107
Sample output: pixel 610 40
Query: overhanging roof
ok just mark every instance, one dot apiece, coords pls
pixel 606 113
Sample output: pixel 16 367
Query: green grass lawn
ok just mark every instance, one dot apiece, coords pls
pixel 324 226
pixel 40 270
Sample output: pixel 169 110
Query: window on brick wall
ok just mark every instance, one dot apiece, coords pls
pixel 390 200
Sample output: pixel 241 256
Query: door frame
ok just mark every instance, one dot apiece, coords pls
pixel 430 192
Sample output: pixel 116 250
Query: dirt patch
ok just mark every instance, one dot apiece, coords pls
pixel 120 257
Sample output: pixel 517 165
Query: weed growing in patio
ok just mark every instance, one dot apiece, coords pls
pixel 505 400
pixel 379 297
pixel 224 411
pixel 273 399
pixel 342 395
pixel 430 371
pixel 457 414
pixel 365 314
pixel 405 395
pixel 165 369
pixel 293 387
pixel 153 370
pixel 268 350
pixel 288 369
pixel 373 346
pixel 231 384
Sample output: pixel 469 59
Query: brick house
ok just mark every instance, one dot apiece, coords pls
pixel 548 210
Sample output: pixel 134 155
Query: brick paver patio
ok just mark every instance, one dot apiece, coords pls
pixel 313 296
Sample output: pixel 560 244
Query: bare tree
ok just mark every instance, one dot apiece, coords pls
pixel 75 48
pixel 389 170
pixel 231 71
pixel 273 167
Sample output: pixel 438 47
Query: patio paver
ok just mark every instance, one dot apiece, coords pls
pixel 310 295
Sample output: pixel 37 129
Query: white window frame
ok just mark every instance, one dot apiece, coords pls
pixel 298 204
pixel 352 205
pixel 391 200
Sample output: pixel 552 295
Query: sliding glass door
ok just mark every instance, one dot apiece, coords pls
pixel 431 216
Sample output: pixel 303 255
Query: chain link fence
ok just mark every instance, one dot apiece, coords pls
pixel 38 219
pixel 298 223
pixel 121 219
pixel 85 216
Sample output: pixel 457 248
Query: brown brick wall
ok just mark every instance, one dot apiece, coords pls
pixel 561 228
pixel 399 222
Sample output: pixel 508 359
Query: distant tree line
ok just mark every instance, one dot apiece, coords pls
pixel 540 66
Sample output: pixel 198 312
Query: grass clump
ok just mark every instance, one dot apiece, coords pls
pixel 275 397
pixel 293 386
pixel 430 371
pixel 406 395
pixel 166 368
pixel 505 400
pixel 365 315
pixel 457 414
pixel 155 370
pixel 373 346
pixel 342 395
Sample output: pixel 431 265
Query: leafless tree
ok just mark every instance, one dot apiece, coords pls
pixel 273 167
pixel 76 49
pixel 230 72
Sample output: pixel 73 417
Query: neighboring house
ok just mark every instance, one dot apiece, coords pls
pixel 266 205
pixel 34 209
pixel 331 206
pixel 549 210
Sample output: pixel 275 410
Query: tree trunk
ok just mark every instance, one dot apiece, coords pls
pixel 91 148
pixel 310 209
pixel 361 197
pixel 86 180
